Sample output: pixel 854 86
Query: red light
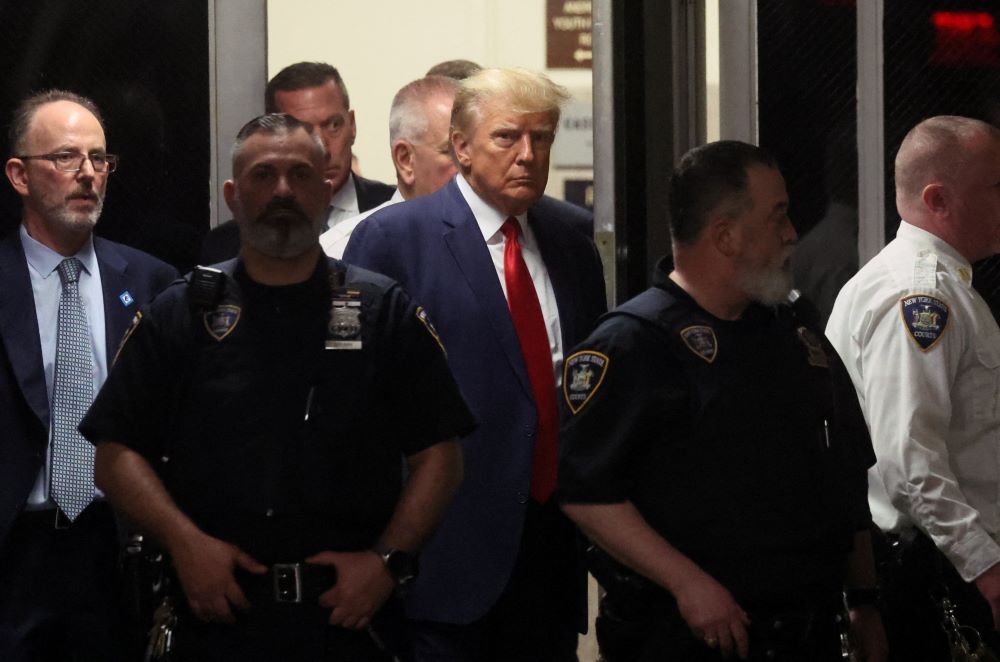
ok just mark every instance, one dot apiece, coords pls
pixel 963 21
pixel 965 38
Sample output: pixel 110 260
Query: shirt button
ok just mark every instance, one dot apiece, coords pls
pixel 269 512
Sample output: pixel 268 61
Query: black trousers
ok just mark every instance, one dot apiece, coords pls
pixel 537 616
pixel 59 597
pixel 915 576
pixel 291 632
pixel 800 633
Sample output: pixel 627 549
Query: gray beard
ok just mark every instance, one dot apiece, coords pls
pixel 280 241
pixel 769 287
pixel 76 222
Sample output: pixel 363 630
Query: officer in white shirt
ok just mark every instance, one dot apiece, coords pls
pixel 923 351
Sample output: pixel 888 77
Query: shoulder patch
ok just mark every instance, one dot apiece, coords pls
pixel 128 334
pixel 221 321
pixel 701 340
pixel 583 374
pixel 925 318
pixel 426 321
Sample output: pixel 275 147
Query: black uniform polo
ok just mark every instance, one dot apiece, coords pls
pixel 740 442
pixel 262 435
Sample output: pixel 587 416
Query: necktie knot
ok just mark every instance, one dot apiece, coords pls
pixel 510 228
pixel 69 270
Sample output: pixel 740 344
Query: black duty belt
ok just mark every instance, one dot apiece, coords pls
pixel 289 583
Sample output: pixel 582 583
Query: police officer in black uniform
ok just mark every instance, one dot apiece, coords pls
pixel 257 422
pixel 713 444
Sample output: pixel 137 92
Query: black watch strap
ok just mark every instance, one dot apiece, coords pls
pixel 402 565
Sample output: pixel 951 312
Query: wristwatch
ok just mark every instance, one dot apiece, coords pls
pixel 401 565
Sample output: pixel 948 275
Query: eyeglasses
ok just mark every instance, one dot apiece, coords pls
pixel 73 161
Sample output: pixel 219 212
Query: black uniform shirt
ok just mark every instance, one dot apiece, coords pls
pixel 217 401
pixel 740 442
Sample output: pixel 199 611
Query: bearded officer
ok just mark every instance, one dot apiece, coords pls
pixel 256 421
pixel 712 443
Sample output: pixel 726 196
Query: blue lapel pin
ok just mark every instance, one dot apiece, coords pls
pixel 126 298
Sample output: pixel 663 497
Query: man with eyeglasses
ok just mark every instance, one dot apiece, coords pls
pixel 313 92
pixel 66 299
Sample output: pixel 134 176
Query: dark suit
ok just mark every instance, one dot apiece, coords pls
pixel 223 241
pixel 435 248
pixel 24 407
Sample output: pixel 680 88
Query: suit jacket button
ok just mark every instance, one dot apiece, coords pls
pixel 522 497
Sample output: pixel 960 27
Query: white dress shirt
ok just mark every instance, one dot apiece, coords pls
pixel 344 205
pixel 490 221
pixel 43 264
pixel 334 241
pixel 933 412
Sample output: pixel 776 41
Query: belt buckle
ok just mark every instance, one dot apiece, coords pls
pixel 287 582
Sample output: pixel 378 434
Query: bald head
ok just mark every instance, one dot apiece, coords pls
pixel 939 149
pixel 948 182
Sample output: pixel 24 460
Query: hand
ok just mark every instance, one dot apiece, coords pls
pixel 988 584
pixel 205 569
pixel 363 585
pixel 868 634
pixel 713 615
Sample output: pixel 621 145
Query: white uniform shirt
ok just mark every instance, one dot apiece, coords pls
pixel 927 372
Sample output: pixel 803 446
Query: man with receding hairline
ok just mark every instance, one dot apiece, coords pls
pixel 66 298
pixel 923 351
pixel 420 148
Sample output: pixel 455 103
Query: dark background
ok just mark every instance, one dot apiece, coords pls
pixel 146 66
pixel 807 77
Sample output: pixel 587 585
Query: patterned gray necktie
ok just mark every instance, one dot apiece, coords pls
pixel 72 394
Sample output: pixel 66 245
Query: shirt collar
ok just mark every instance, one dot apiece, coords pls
pixel 346 198
pixel 45 261
pixel 487 217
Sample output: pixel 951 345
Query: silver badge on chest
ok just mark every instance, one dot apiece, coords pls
pixel 343 331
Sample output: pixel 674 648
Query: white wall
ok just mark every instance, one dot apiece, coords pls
pixel 380 45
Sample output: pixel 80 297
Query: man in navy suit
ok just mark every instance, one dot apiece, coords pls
pixel 313 92
pixel 500 580
pixel 57 569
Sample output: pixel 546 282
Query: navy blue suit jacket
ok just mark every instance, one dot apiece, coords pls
pixel 433 246
pixel 24 402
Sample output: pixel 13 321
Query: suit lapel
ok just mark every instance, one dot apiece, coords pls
pixel 19 326
pixel 561 274
pixel 465 241
pixel 117 316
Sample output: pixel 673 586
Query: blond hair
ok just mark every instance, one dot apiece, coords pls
pixel 520 90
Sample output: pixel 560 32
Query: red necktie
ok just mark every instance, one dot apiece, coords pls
pixel 530 325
